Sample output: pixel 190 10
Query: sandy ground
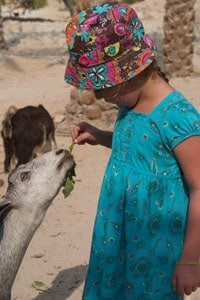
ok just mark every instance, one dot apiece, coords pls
pixel 31 72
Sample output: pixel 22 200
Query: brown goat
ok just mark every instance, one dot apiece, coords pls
pixel 26 132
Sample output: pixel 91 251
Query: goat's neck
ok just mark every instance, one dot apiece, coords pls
pixel 15 235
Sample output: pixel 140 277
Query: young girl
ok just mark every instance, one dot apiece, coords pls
pixel 146 242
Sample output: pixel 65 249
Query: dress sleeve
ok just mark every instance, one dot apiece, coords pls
pixel 178 122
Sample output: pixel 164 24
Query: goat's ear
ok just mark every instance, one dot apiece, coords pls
pixel 5 207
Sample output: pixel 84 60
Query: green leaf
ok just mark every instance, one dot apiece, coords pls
pixel 37 256
pixel 69 186
pixel 40 286
pixel 71 147
pixel 69 180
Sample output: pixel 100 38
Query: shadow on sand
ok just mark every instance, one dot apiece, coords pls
pixel 64 284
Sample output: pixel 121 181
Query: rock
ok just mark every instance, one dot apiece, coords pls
pixel 86 97
pixel 92 112
pixel 59 118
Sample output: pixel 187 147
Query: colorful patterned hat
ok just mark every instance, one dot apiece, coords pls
pixel 107 46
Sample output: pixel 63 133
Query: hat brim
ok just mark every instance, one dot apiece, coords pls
pixel 110 73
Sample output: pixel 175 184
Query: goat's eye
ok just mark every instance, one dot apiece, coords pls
pixel 24 176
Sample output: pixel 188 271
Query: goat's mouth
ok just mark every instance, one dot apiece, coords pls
pixel 70 173
pixel 67 157
pixel 68 181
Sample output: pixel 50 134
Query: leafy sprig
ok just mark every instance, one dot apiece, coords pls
pixel 69 180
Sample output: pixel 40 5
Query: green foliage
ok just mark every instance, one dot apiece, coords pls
pixel 2 2
pixel 39 3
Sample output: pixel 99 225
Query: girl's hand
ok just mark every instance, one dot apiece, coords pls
pixel 186 279
pixel 85 133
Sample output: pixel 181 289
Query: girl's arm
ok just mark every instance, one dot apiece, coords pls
pixel 186 276
pixel 86 133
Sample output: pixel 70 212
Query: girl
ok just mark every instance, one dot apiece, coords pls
pixel 146 243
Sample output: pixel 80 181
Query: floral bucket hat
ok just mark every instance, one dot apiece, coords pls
pixel 107 46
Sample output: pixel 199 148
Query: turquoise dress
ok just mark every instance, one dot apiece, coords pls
pixel 142 211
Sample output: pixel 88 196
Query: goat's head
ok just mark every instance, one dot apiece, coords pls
pixel 37 182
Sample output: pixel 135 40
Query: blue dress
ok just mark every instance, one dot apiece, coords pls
pixel 142 211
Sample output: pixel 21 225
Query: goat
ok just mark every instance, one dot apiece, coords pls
pixel 32 188
pixel 26 132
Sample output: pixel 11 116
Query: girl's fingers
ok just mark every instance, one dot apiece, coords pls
pixel 188 290
pixel 76 131
pixel 82 138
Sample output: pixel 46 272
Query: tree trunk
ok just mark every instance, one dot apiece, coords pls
pixel 2 40
pixel 69 6
pixel 178 37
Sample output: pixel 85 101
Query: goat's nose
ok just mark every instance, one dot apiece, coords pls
pixel 59 151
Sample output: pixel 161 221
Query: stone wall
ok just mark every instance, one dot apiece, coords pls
pixel 84 106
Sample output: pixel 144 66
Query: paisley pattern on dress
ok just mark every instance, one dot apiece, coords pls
pixel 142 211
